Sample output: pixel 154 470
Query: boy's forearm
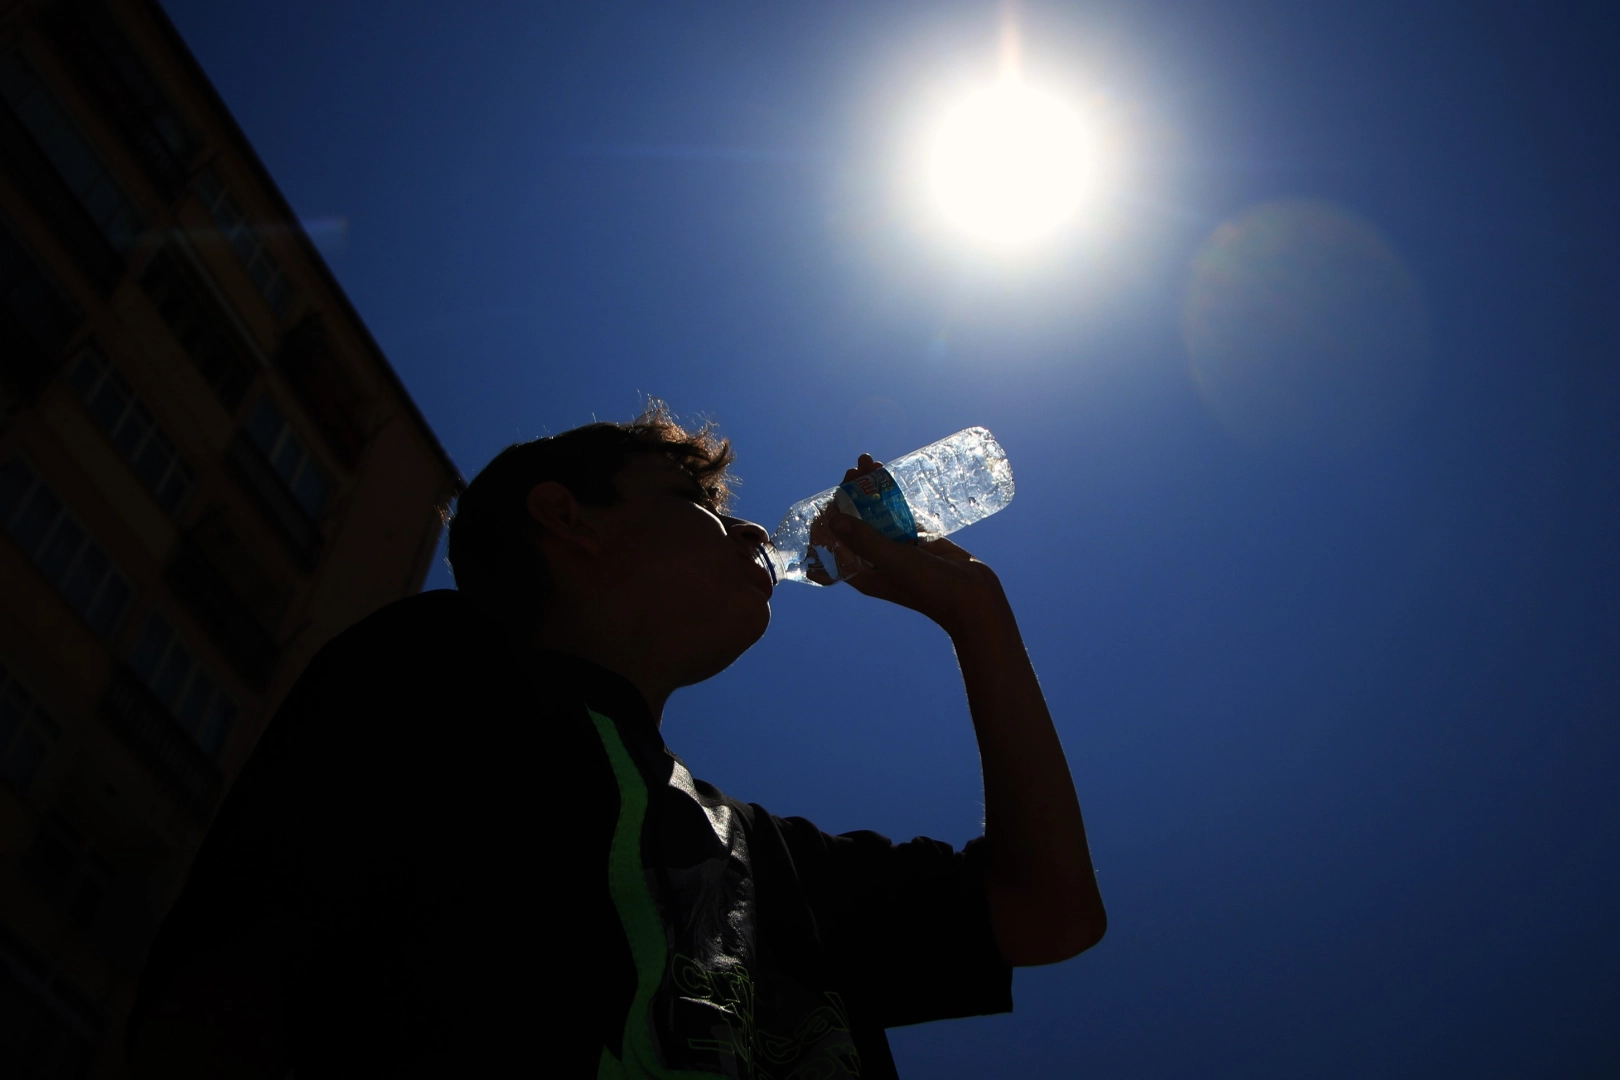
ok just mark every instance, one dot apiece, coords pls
pixel 1042 890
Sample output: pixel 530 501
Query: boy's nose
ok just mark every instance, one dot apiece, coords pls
pixel 746 530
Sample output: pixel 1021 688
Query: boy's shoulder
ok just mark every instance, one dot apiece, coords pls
pixel 438 616
pixel 415 638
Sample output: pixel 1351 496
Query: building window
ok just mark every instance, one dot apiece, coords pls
pixel 70 873
pixel 60 547
pixel 26 733
pixel 32 299
pixel 244 240
pixel 151 453
pixel 66 149
pixel 172 674
pixel 213 572
pixel 107 64
pixel 203 330
pixel 41 1025
pixel 36 319
pixel 326 386
pixel 272 434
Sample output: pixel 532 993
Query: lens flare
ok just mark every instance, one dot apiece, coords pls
pixel 1304 325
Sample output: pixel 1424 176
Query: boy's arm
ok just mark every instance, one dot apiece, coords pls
pixel 1042 891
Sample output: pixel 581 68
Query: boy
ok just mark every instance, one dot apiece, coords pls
pixel 462 846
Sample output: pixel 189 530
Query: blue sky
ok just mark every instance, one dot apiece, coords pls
pixel 1340 695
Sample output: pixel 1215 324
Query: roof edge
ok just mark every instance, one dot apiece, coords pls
pixel 171 34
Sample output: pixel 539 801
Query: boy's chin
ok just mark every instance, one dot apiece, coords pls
pixel 739 641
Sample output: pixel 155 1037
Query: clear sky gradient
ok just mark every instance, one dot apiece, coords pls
pixel 1316 529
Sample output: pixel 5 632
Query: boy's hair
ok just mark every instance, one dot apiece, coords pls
pixel 493 547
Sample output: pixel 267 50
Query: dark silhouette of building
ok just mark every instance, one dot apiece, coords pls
pixel 207 469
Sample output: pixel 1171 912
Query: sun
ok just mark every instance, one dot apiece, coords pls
pixel 1009 163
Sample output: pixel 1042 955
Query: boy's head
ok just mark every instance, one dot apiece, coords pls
pixel 618 525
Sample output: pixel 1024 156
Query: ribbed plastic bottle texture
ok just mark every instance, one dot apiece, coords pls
pixel 928 493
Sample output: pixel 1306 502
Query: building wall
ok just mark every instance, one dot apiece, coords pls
pixel 207 434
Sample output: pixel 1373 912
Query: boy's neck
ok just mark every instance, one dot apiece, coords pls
pixel 616 652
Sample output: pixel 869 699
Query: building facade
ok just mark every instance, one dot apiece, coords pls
pixel 207 469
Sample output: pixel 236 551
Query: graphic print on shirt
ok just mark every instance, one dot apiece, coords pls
pixel 680 877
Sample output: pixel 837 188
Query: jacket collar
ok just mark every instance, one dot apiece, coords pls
pixel 604 691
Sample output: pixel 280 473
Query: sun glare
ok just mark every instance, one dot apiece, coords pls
pixel 1009 163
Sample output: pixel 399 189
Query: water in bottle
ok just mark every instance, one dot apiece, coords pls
pixel 926 494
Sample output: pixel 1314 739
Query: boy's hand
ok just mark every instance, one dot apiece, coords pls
pixel 935 577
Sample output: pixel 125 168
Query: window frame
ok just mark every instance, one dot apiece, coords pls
pixel 119 221
pixel 276 446
pixel 210 731
pixel 132 410
pixel 82 885
pixel 28 718
pixel 34 303
pixel 74 557
pixel 245 240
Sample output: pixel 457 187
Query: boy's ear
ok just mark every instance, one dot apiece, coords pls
pixel 561 519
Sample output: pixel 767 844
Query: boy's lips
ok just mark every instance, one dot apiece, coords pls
pixel 764 580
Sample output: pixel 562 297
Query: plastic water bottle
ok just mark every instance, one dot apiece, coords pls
pixel 926 494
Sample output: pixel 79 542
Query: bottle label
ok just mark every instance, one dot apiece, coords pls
pixel 877 500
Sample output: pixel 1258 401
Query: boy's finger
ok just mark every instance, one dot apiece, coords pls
pixel 871 545
pixel 944 548
pixel 860 537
